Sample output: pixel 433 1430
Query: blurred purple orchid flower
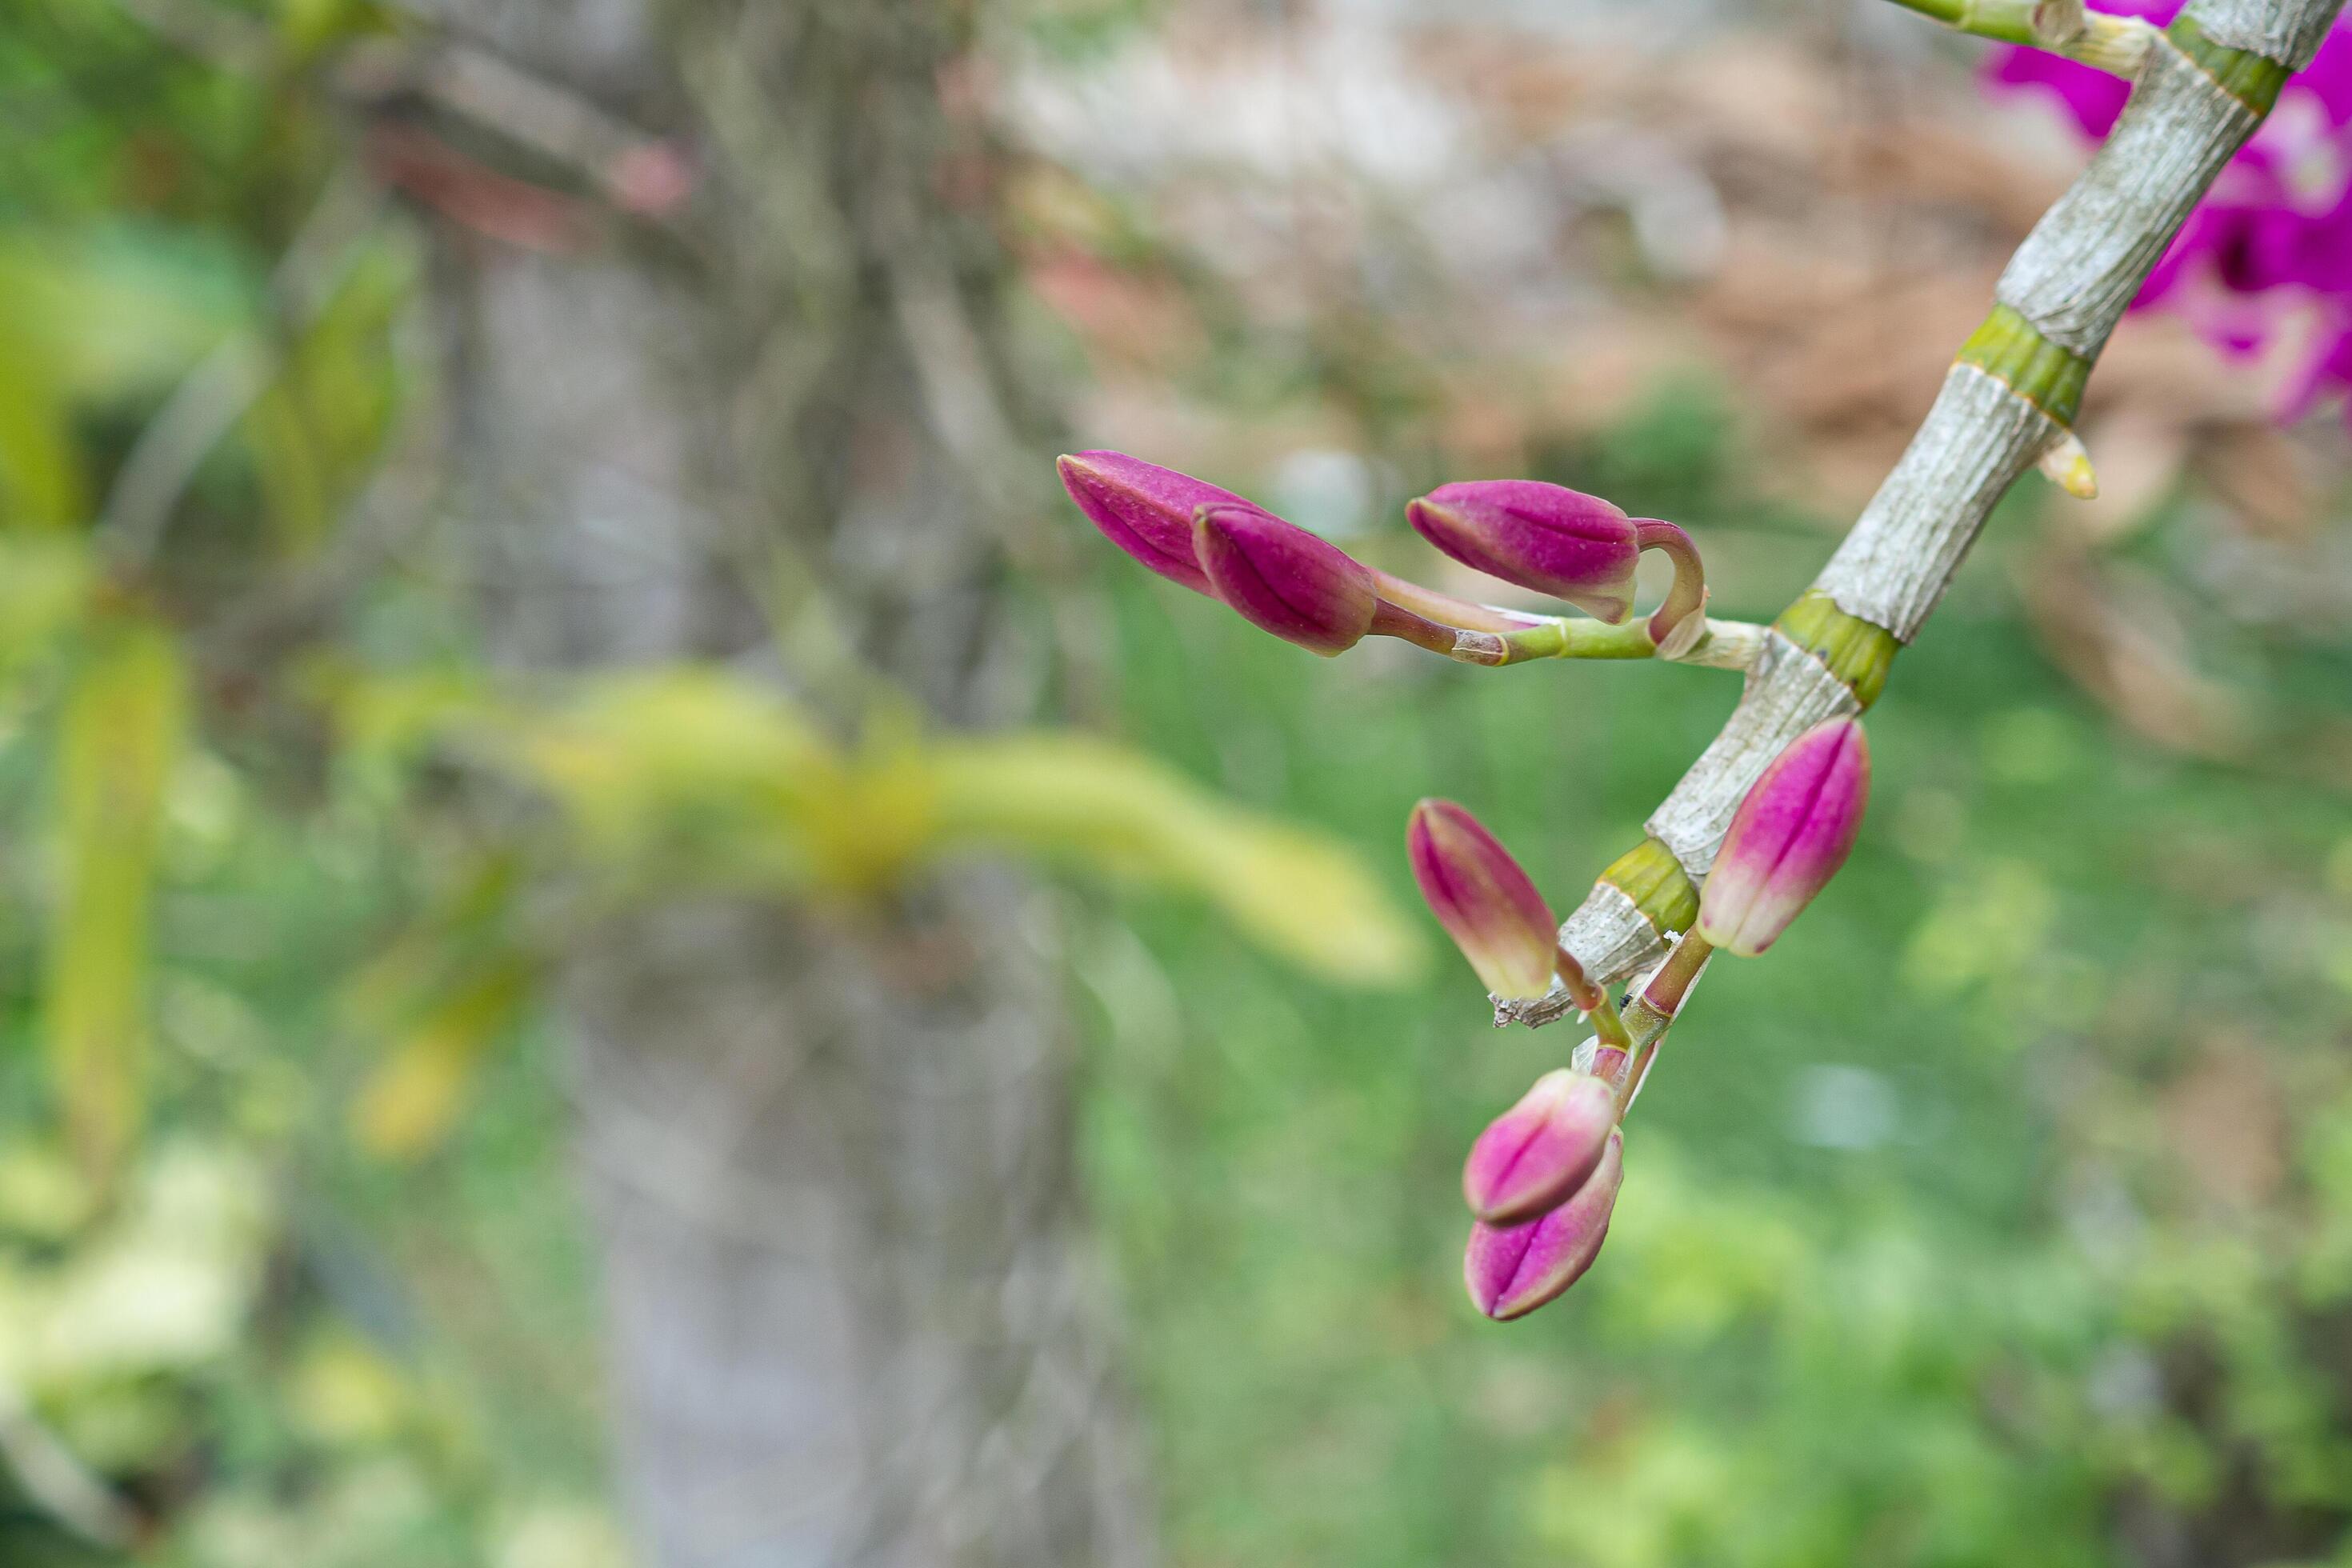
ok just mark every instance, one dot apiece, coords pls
pixel 2272 238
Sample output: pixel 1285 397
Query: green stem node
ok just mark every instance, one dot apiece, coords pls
pixel 2013 351
pixel 1651 876
pixel 1856 652
pixel 2252 79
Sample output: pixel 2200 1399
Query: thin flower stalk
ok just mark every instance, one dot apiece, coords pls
pixel 2116 44
pixel 1654 1010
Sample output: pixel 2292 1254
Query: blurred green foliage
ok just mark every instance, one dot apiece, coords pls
pixel 2004 1215
pixel 261 954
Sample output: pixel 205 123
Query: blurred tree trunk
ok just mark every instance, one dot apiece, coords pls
pixel 850 1308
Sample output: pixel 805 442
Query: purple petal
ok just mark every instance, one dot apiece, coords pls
pixel 2328 77
pixel 1144 509
pixel 1484 899
pixel 2091 96
pixel 1789 838
pixel 1533 1156
pixel 1283 579
pixel 1556 540
pixel 1511 1271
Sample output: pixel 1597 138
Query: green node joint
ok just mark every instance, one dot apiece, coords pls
pixel 1856 652
pixel 2011 350
pixel 1651 876
pixel 2252 79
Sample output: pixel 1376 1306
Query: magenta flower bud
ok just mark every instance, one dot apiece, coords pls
pixel 1283 579
pixel 1482 898
pixel 1144 509
pixel 1563 543
pixel 1788 838
pixel 1513 1270
pixel 1556 540
pixel 1534 1156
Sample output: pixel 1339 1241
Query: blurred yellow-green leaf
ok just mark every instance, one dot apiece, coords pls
pixel 119 733
pixel 1076 800
pixel 44 591
pixel 315 430
pixel 683 772
pixel 414 1097
pixel 470 915
pixel 88 318
pixel 120 309
pixel 690 775
pixel 41 480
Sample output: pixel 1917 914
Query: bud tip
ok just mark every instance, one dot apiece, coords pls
pixel 1534 1156
pixel 1484 899
pixel 1510 1270
pixel 1789 838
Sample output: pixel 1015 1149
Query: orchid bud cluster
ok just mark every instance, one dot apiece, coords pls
pixel 1542 1181
pixel 1307 591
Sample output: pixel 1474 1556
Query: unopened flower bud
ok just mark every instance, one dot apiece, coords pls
pixel 1513 1270
pixel 1285 580
pixel 1788 838
pixel 1556 540
pixel 1535 1155
pixel 1482 898
pixel 1144 509
pixel 1566 543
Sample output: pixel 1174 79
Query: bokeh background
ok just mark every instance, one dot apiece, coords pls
pixel 484 651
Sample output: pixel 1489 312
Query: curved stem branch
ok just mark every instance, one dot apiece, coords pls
pixel 1687 597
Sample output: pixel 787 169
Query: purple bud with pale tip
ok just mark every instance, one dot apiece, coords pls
pixel 1533 1156
pixel 1513 1270
pixel 1788 839
pixel 1484 899
pixel 1285 580
pixel 1144 509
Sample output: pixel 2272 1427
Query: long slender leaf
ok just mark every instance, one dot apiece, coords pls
pixel 120 733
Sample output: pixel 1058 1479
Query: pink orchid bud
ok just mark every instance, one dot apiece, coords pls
pixel 1563 543
pixel 1556 540
pixel 1788 838
pixel 1145 510
pixel 1513 1270
pixel 1533 1156
pixel 1482 898
pixel 1285 580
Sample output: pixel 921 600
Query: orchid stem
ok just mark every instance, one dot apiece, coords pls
pixel 1722 644
pixel 2112 43
pixel 1654 1010
pixel 1593 1001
